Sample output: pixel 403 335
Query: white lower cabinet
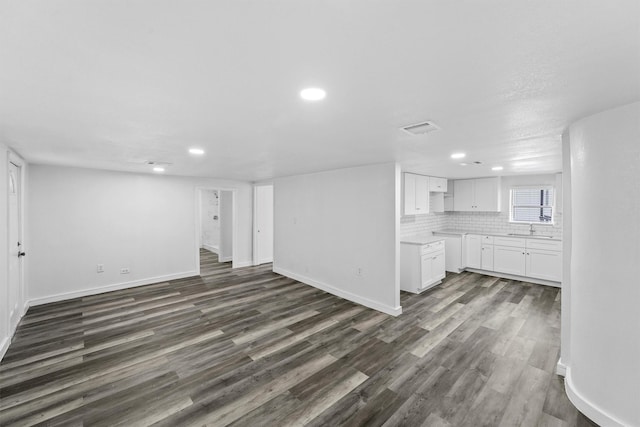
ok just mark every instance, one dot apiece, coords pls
pixel 421 266
pixel 535 258
pixel 487 257
pixel 509 259
pixel 544 264
pixel 473 251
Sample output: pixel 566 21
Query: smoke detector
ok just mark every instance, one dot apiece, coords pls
pixel 420 128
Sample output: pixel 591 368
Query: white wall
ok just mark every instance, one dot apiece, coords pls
pixel 565 348
pixel 330 224
pixel 498 222
pixel 79 218
pixel 7 329
pixel 603 376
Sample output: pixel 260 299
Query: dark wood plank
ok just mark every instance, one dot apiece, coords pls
pixel 248 347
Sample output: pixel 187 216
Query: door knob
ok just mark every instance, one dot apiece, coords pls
pixel 20 254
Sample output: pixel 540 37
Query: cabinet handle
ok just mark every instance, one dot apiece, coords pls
pixel 434 257
pixel 522 253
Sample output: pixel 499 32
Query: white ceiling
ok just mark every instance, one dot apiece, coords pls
pixel 113 83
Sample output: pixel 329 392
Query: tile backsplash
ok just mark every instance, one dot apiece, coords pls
pixel 423 224
pixel 498 222
pixel 482 222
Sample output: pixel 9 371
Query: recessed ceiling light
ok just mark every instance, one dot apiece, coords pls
pixel 458 155
pixel 158 169
pixel 313 94
pixel 497 168
pixel 464 164
pixel 196 151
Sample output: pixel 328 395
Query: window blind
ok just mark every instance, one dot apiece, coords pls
pixel 532 205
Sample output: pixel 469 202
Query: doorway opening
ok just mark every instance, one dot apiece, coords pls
pixel 215 227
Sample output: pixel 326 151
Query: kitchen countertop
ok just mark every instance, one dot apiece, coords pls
pixel 420 239
pixel 463 232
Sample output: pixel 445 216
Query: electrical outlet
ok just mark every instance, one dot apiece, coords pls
pixel 100 268
pixel 124 270
pixel 359 271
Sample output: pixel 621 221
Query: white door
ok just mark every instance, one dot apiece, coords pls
pixel 473 244
pixel 422 194
pixel 427 271
pixel 264 224
pixel 409 194
pixel 544 264
pixel 463 195
pixel 487 257
pixel 437 264
pixel 486 194
pixel 15 246
pixel 510 260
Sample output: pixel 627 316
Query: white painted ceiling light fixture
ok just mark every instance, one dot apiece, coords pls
pixel 497 168
pixel 313 94
pixel 158 169
pixel 196 151
pixel 458 155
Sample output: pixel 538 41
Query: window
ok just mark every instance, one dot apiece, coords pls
pixel 532 205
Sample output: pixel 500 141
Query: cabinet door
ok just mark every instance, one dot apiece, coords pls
pixel 509 259
pixel 427 270
pixel 543 264
pixel 486 195
pixel 437 185
pixel 463 190
pixel 473 251
pixel 422 194
pixel 409 194
pixel 437 265
pixel 487 257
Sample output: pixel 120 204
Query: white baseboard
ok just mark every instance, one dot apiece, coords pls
pixel 211 248
pixel 588 408
pixel 109 288
pixel 515 277
pixel 394 311
pixel 561 368
pixel 240 264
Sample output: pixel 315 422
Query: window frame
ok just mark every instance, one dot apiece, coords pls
pixel 539 187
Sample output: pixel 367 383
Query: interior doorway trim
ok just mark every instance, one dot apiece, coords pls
pixel 234 222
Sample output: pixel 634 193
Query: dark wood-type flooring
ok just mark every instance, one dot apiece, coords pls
pixel 248 347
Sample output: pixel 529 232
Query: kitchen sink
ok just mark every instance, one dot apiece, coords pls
pixel 530 235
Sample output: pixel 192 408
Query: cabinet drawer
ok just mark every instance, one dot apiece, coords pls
pixel 550 245
pixel 510 241
pixel 432 247
pixel 487 240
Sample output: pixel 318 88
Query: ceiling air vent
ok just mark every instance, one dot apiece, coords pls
pixel 420 128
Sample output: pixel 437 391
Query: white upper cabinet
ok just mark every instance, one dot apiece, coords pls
pixel 476 195
pixel 416 194
pixel 463 195
pixel 437 185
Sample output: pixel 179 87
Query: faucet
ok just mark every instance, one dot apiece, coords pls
pixel 531 230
